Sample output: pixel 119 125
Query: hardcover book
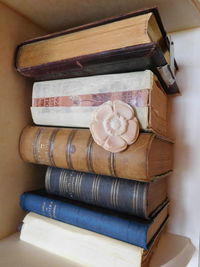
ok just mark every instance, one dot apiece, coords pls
pixel 65 240
pixel 133 42
pixel 150 156
pixel 70 102
pixel 125 228
pixel 131 197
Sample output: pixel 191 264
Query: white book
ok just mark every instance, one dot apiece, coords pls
pixel 70 102
pixel 79 245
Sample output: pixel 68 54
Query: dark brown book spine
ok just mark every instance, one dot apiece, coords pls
pixel 133 58
pixel 75 149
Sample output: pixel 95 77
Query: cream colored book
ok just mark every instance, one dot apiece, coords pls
pixel 71 102
pixel 81 246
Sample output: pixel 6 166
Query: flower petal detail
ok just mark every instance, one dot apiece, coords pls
pixel 123 109
pixel 98 133
pixel 114 144
pixel 103 111
pixel 114 126
pixel 132 132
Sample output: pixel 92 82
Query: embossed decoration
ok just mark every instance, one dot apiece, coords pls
pixel 114 126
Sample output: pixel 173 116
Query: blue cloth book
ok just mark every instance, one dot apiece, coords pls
pixel 128 196
pixel 122 227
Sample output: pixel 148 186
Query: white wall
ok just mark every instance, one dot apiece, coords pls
pixel 184 186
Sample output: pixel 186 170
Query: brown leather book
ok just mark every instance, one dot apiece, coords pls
pixel 132 42
pixel 149 157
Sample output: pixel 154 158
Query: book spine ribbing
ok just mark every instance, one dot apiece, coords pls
pixel 75 149
pixel 104 191
pixel 123 228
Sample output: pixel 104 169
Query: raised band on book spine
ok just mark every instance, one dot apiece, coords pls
pixel 108 192
pixel 70 148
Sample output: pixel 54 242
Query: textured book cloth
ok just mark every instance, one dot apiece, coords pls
pixel 122 227
pixel 75 149
pixel 132 42
pixel 70 102
pixel 65 240
pixel 128 196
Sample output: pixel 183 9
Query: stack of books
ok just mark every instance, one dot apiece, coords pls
pixel 100 102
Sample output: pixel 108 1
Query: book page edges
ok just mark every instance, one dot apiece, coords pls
pixel 79 43
pixel 158 110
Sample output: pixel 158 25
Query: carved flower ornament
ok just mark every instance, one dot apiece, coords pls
pixel 114 125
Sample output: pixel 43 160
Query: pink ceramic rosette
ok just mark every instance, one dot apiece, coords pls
pixel 114 126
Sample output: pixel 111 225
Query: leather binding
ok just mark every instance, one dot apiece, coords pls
pixel 127 196
pixel 75 149
pixel 132 58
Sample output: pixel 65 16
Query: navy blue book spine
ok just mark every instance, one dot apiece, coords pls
pixel 123 228
pixel 123 195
